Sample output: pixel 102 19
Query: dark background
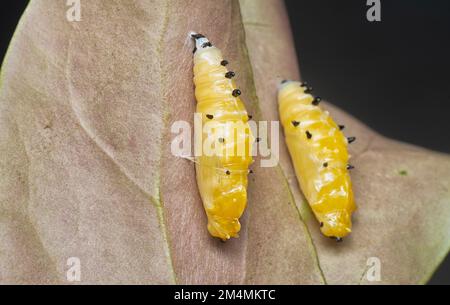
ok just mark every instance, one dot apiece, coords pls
pixel 393 75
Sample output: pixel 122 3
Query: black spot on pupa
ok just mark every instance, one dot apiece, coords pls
pixel 250 117
pixel 197 36
pixel 338 239
pixel 250 171
pixel 295 123
pixel 351 139
pixel 230 74
pixel 349 166
pixel 325 164
pixel 258 140
pixel 308 90
pixel 308 134
pixel 210 116
pixel 206 44
pixel 221 140
pixel 316 101
pixel 228 172
pixel 284 81
pixel 224 62
pixel 341 127
pixel 236 92
pixel 304 84
pixel 321 224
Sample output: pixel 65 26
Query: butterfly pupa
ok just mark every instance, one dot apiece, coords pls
pixel 318 150
pixel 221 178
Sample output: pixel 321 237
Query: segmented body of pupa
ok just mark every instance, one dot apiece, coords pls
pixel 222 176
pixel 318 150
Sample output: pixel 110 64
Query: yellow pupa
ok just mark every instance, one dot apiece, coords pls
pixel 318 150
pixel 221 177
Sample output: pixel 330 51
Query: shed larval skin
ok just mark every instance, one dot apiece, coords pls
pixel 221 176
pixel 318 150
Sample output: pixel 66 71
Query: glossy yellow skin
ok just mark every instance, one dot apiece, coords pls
pixel 320 162
pixel 221 178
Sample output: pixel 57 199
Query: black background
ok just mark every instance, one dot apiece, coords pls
pixel 393 75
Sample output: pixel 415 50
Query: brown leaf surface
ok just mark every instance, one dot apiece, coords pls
pixel 86 169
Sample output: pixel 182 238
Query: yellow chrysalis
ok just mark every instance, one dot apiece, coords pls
pixel 221 177
pixel 318 151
